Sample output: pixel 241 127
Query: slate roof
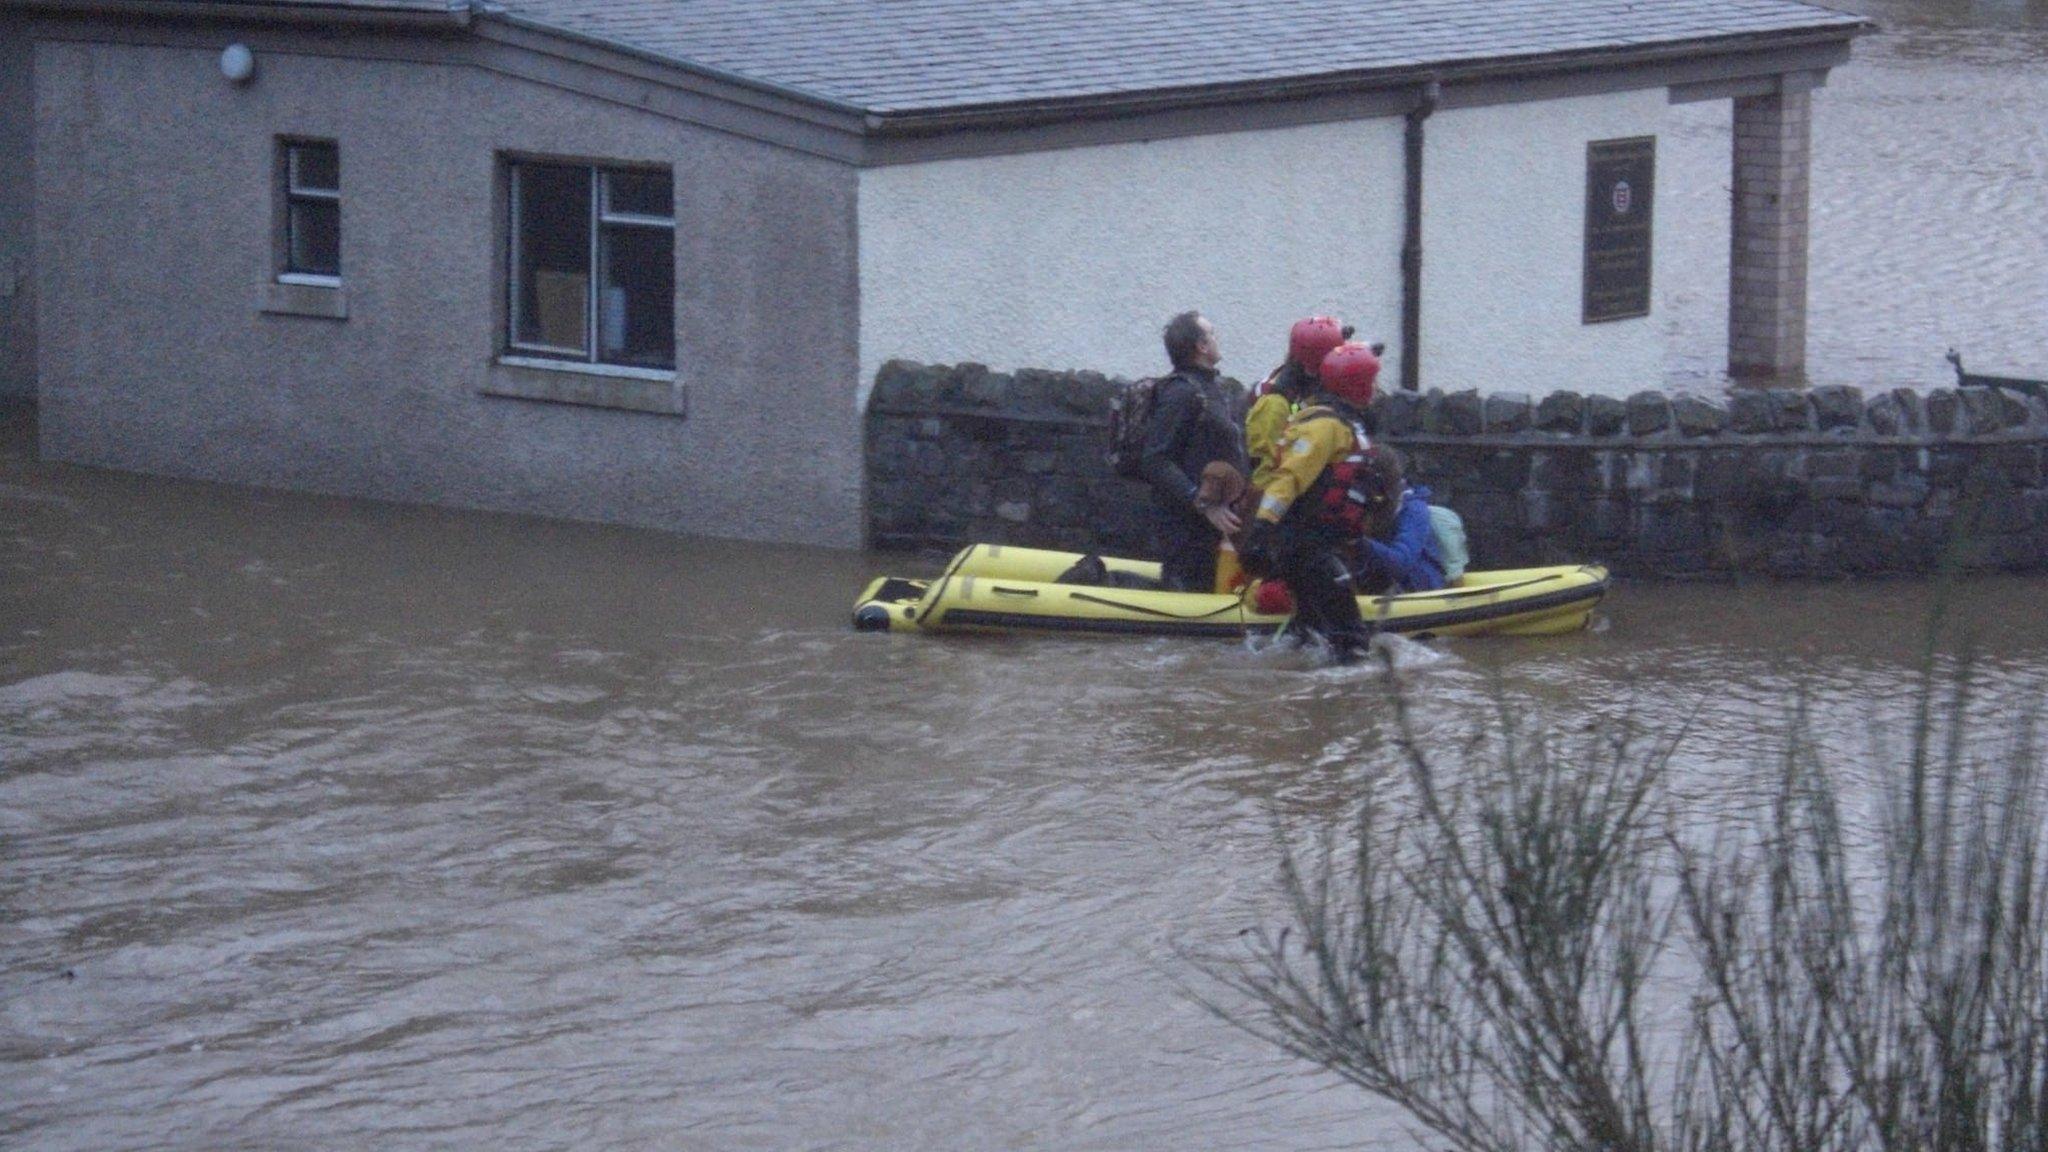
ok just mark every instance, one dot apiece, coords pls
pixel 906 58
pixel 911 56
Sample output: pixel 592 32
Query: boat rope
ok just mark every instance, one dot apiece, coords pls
pixel 1475 590
pixel 1235 605
pixel 937 589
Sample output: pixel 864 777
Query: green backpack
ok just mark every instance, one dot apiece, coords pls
pixel 1450 540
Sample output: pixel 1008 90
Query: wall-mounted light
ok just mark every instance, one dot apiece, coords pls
pixel 237 63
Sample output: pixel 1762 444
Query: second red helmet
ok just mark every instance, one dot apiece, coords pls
pixel 1310 340
pixel 1349 373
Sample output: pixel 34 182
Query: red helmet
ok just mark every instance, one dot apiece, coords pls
pixel 1310 340
pixel 1349 372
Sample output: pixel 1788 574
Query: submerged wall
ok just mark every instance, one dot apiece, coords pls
pixel 1788 483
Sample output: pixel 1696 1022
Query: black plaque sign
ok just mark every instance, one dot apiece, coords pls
pixel 1620 182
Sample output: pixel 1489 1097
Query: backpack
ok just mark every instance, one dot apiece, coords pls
pixel 1450 541
pixel 1129 413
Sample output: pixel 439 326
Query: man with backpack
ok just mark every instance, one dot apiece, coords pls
pixel 1191 427
pixel 1318 504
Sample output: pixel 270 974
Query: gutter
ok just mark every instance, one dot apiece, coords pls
pixel 357 13
pixel 1028 113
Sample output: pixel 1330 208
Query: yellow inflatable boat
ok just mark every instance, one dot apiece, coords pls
pixel 997 588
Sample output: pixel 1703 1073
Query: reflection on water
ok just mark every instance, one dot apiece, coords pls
pixel 1929 154
pixel 335 824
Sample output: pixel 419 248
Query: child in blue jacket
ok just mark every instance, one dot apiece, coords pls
pixel 1400 553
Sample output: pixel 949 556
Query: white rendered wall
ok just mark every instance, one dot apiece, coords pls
pixel 1076 258
pixel 1504 221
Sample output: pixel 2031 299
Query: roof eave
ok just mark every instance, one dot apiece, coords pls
pixel 720 76
pixel 432 14
pixel 1030 113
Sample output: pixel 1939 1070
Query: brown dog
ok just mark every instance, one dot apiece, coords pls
pixel 1221 484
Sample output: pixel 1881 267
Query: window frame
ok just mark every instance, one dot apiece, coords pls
pixel 590 357
pixel 290 193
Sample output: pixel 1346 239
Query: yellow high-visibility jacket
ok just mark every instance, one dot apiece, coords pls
pixel 1263 426
pixel 1311 440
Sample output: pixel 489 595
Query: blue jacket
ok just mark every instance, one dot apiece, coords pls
pixel 1410 558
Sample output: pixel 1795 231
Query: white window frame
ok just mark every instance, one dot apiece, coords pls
pixel 600 217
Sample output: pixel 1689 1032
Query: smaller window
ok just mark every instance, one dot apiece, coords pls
pixel 312 209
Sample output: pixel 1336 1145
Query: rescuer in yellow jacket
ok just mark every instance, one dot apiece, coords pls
pixel 1315 507
pixel 1273 404
pixel 1293 382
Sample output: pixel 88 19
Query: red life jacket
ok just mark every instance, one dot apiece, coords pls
pixel 1342 497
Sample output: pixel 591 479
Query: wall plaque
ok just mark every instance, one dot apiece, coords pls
pixel 1620 186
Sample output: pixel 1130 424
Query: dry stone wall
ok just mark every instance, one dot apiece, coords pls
pixel 1821 482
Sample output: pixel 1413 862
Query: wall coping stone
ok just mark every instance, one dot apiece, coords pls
pixel 1696 417
pixel 1507 412
pixel 1648 413
pixel 1837 406
pixel 1562 411
pixel 1400 413
pixel 1944 412
pixel 1605 416
pixel 1458 413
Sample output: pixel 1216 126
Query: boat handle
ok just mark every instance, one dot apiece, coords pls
pixel 1002 591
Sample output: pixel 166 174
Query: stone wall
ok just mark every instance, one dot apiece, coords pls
pixel 1824 482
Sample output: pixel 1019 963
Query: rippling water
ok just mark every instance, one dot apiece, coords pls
pixel 335 824
pixel 1930 205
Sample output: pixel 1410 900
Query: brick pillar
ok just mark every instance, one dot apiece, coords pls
pixel 1767 258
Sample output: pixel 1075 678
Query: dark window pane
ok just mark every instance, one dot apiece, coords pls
pixel 636 310
pixel 640 194
pixel 314 232
pixel 551 274
pixel 316 167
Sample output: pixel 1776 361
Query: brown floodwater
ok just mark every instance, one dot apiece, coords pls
pixel 1929 205
pixel 326 823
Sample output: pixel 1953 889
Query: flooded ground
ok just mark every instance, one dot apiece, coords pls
pixel 333 824
pixel 1929 213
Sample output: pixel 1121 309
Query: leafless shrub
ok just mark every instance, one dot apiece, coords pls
pixel 1476 954
pixel 1892 998
pixel 1475 945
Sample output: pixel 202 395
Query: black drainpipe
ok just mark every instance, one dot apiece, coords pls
pixel 1411 243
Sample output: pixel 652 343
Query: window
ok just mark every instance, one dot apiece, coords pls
pixel 312 212
pixel 592 260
